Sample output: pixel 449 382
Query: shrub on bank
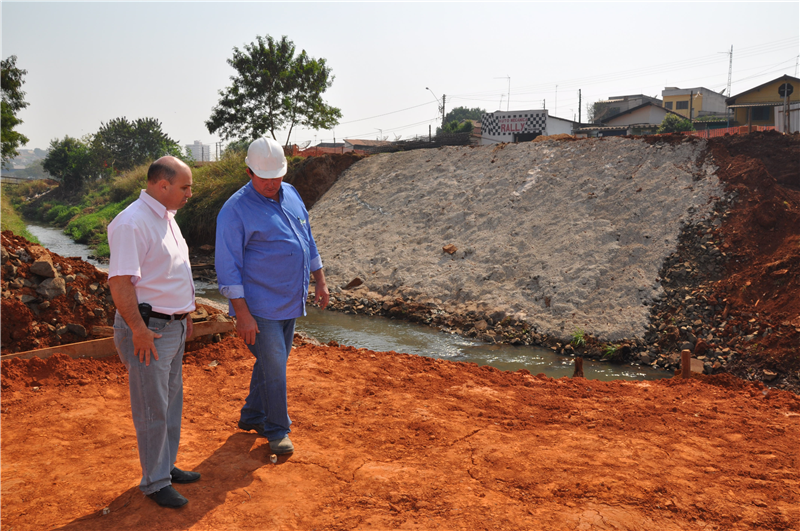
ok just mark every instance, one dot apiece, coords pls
pixel 87 217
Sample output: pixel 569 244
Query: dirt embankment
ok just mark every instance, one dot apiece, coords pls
pixel 645 244
pixel 50 300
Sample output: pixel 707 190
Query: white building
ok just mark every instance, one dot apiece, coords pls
pixel 200 152
pixel 521 126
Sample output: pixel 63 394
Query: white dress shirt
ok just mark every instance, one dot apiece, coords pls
pixel 147 244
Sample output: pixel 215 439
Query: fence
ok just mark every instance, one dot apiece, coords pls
pixel 742 130
pixel 8 179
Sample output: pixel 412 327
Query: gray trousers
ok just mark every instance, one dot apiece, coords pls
pixel 156 398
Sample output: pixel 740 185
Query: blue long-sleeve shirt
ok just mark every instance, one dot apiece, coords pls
pixel 265 252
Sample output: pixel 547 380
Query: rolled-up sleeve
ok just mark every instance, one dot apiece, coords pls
pixel 229 254
pixel 316 259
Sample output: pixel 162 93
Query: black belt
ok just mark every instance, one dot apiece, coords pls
pixel 177 316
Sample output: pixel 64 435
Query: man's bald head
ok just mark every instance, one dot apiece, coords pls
pixel 166 168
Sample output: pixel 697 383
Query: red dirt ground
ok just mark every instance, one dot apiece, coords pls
pixel 392 441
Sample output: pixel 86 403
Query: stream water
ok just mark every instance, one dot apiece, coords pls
pixel 382 334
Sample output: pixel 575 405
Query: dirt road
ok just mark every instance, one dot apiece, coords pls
pixel 392 441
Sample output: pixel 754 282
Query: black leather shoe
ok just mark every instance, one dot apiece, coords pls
pixel 182 476
pixel 258 428
pixel 168 497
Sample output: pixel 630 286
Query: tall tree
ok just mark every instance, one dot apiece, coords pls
pixel 273 89
pixel 70 161
pixel 122 144
pixel 13 102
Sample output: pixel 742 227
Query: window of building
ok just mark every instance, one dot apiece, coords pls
pixel 681 105
pixel 760 113
pixel 668 105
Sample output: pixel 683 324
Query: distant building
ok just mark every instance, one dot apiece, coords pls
pixel 695 102
pixel 521 126
pixel 642 120
pixel 200 152
pixel 759 105
pixel 363 145
pixel 604 109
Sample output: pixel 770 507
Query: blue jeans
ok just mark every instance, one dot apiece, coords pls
pixel 156 398
pixel 267 404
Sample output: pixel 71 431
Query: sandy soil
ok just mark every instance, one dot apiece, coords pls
pixel 392 441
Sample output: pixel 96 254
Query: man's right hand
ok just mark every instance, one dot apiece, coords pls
pixel 144 344
pixel 246 325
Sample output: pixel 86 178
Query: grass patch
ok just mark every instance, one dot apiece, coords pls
pixel 578 338
pixel 11 220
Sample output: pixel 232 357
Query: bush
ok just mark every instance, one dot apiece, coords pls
pixel 129 184
pixel 673 123
pixel 91 228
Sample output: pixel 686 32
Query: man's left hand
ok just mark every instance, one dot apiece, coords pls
pixel 321 294
pixel 189 328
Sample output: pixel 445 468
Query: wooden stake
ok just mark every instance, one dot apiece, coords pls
pixel 578 368
pixel 686 363
pixel 99 348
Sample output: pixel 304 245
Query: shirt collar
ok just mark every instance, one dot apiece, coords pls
pixel 159 209
pixel 253 191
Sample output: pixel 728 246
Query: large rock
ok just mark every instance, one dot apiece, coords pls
pixel 52 288
pixel 43 267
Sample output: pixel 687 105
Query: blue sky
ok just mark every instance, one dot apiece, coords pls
pixel 91 62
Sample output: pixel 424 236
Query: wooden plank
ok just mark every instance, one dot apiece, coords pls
pixel 99 348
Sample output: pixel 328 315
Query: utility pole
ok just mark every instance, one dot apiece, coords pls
pixel 444 99
pixel 730 72
pixel 579 105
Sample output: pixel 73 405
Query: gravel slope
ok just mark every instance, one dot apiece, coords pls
pixel 565 235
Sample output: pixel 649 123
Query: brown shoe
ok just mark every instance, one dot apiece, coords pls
pixel 281 446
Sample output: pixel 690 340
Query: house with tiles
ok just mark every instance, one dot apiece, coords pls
pixel 765 104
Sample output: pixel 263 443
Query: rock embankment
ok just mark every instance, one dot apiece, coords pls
pixel 627 249
pixel 49 300
pixel 565 236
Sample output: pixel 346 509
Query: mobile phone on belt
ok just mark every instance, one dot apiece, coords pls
pixel 144 311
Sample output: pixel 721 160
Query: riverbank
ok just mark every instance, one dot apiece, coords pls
pixel 390 441
pixel 628 248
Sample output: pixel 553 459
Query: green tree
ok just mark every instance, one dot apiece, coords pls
pixel 238 145
pixel 13 101
pixel 122 145
pixel 273 89
pixel 673 123
pixel 459 114
pixel 456 127
pixel 70 161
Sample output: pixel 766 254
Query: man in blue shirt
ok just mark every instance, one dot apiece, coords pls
pixel 264 255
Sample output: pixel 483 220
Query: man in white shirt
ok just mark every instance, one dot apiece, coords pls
pixel 151 282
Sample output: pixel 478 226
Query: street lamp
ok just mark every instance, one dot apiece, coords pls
pixel 441 104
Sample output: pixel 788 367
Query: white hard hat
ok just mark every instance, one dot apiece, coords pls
pixel 266 159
